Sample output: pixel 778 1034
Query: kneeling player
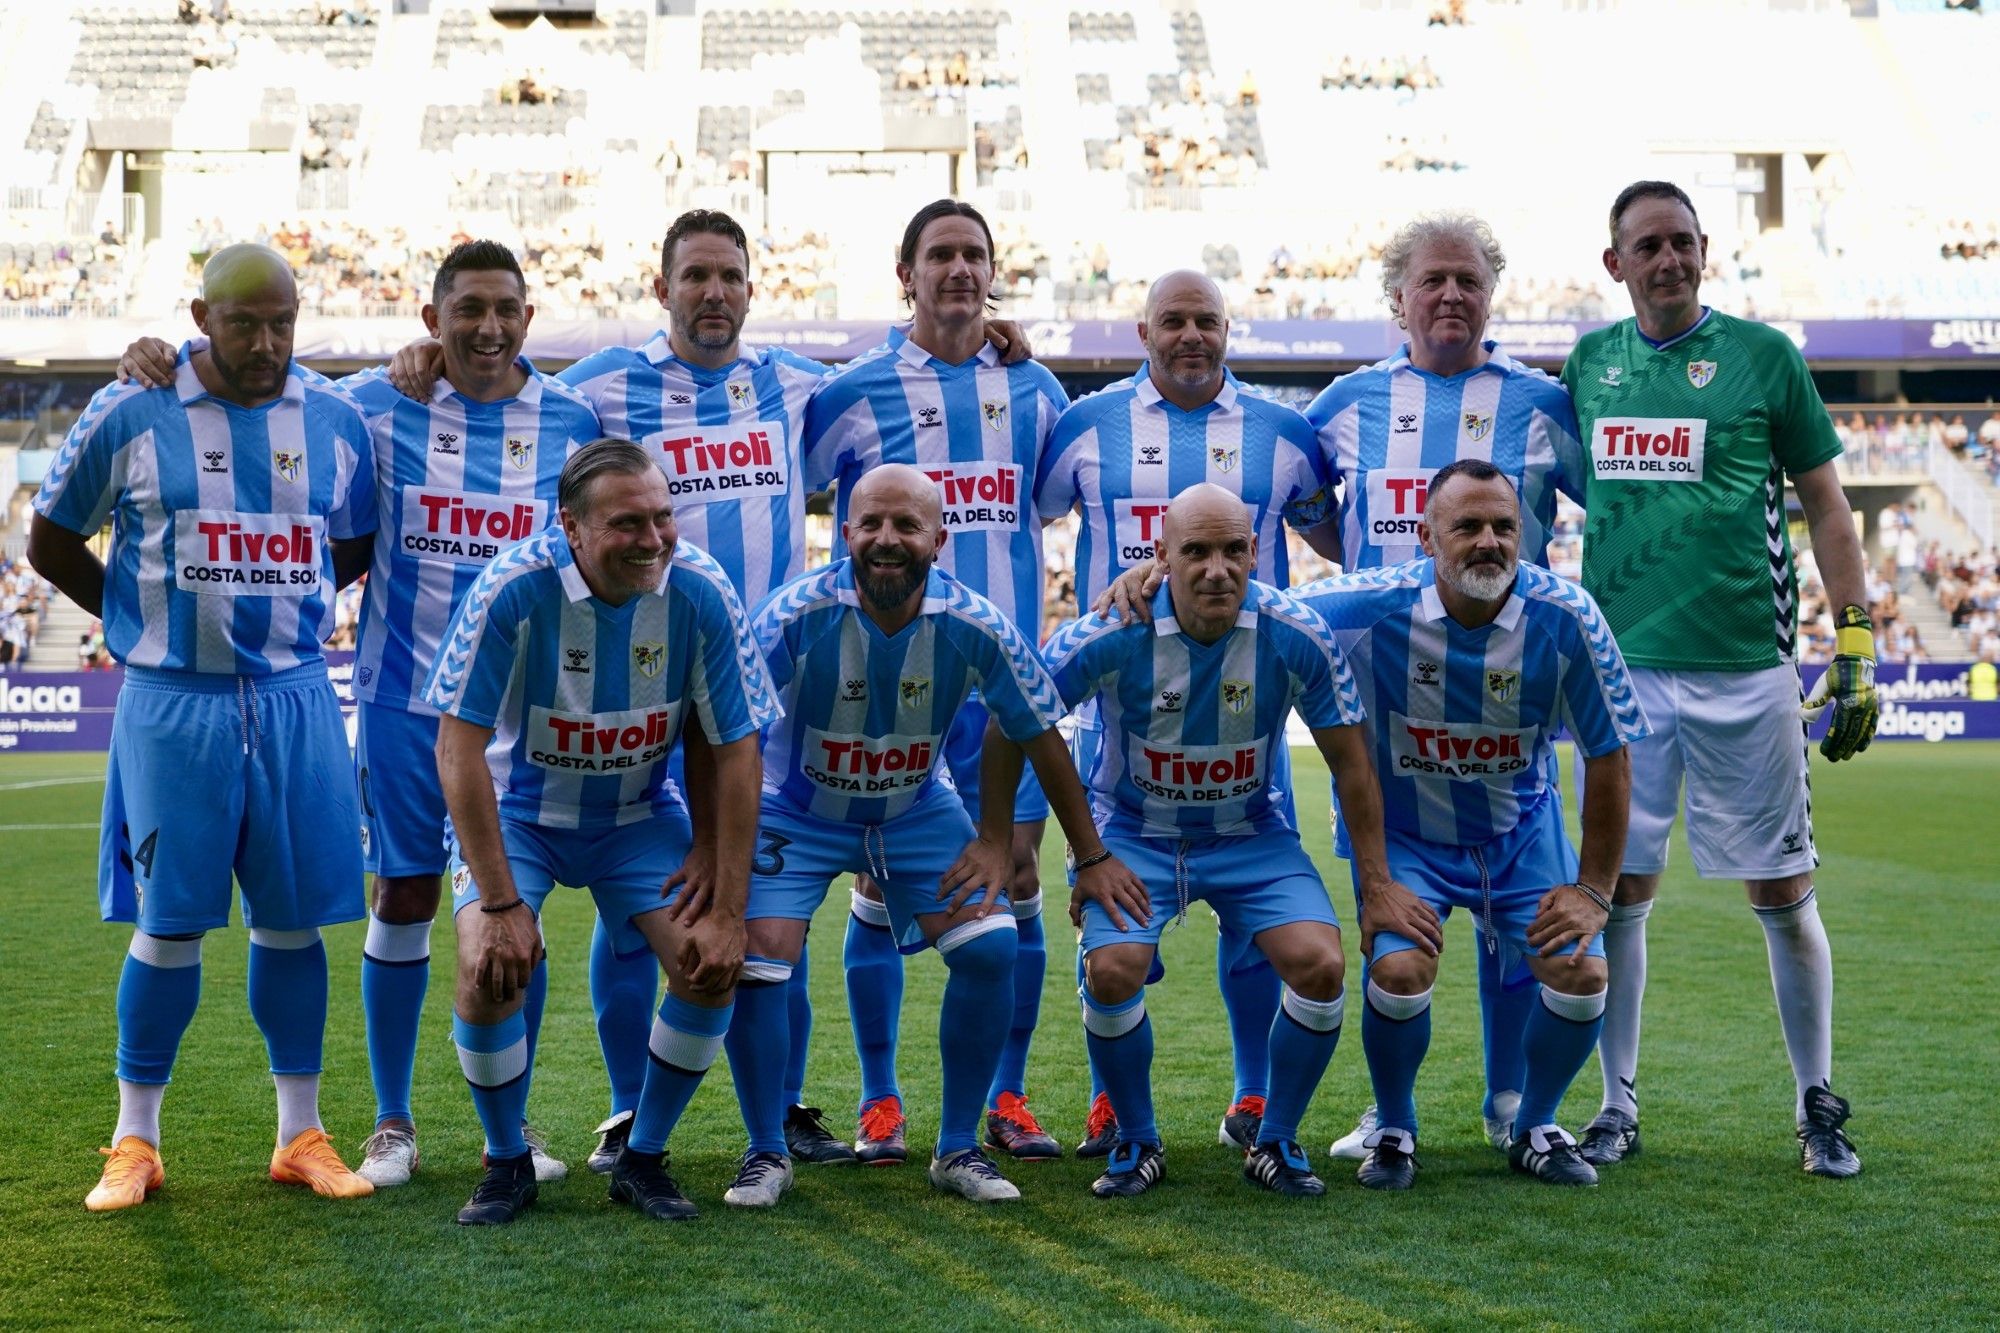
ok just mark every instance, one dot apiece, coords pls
pixel 586 650
pixel 1470 661
pixel 1194 707
pixel 874 657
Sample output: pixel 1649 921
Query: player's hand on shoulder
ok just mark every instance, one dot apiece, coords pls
pixel 415 368
pixel 148 362
pixel 1112 886
pixel 1565 916
pixel 1010 340
pixel 1389 906
pixel 1130 596
pixel 984 868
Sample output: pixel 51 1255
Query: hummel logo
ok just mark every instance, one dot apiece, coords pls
pixel 447 443
pixel 1791 842
pixel 217 461
pixel 854 690
pixel 679 398
pixel 579 659
pixel 1612 376
pixel 1406 422
pixel 927 416
pixel 1170 701
pixel 1149 453
pixel 1427 673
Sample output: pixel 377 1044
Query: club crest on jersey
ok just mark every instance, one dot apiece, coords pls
pixel 1236 695
pixel 1700 373
pixel 739 392
pixel 459 879
pixel 287 463
pixel 1502 684
pixel 648 657
pixel 996 414
pixel 520 453
pixel 1223 456
pixel 1477 426
pixel 916 692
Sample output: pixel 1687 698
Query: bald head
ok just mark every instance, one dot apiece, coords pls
pixel 897 483
pixel 246 272
pixel 249 308
pixel 1186 334
pixel 1208 505
pixel 1209 549
pixel 1182 283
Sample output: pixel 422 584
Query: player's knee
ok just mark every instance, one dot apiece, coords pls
pixel 983 948
pixel 407 900
pixel 1026 882
pixel 1115 975
pixel 1582 976
pixel 1405 972
pixel 1317 974
pixel 1781 892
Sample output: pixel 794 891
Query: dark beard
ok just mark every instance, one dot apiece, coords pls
pixel 891 588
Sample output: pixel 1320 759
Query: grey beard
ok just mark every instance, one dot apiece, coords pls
pixel 1482 584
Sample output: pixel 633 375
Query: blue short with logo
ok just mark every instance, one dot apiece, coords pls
pixel 962 743
pixel 1501 882
pixel 798 855
pixel 624 868
pixel 1252 883
pixel 214 778
pixel 402 801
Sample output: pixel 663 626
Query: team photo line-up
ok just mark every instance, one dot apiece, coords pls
pixel 591 654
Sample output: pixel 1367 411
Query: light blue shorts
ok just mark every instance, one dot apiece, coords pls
pixel 799 854
pixel 962 744
pixel 402 801
pixel 213 777
pixel 1252 883
pixel 624 867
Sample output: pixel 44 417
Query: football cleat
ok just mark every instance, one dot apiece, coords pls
pixel 1823 1146
pixel 1610 1138
pixel 389 1156
pixel 970 1174
pixel 611 1136
pixel 547 1166
pixel 507 1188
pixel 1353 1145
pixel 1391 1163
pixel 1134 1168
pixel 1012 1128
pixel 1500 1125
pixel 132 1171
pixel 309 1159
pixel 760 1182
pixel 1282 1168
pixel 1548 1153
pixel 1100 1128
pixel 807 1140
pixel 878 1140
pixel 1241 1123
pixel 641 1180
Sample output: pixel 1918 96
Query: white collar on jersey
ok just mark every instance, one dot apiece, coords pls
pixel 1149 394
pixel 659 349
pixel 906 347
pixel 188 385
pixel 577 590
pixel 1432 605
pixel 531 391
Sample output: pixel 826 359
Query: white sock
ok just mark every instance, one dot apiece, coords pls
pixel 1618 1044
pixel 139 1111
pixel 298 1105
pixel 1802 979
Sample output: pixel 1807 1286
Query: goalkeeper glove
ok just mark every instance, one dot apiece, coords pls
pixel 1848 686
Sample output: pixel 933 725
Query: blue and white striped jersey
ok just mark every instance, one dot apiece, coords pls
pixel 456 482
pixel 979 428
pixel 1122 453
pixel 1465 719
pixel 586 699
pixel 222 518
pixel 1386 429
pixel 866 713
pixel 1193 730
pixel 731 441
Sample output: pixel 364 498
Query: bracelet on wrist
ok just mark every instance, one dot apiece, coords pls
pixel 1102 855
pixel 503 907
pixel 1594 894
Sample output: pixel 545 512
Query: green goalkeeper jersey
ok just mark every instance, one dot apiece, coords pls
pixel 1685 544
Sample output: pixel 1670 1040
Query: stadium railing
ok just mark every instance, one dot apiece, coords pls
pixel 1968 495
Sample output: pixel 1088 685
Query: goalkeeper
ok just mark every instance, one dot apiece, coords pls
pixel 1694 420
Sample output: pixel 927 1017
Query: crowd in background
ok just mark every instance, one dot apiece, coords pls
pixel 24 608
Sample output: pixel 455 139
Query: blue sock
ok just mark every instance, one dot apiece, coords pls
pixel 684 1043
pixel 1031 965
pixel 801 1008
pixel 533 1000
pixel 494 1058
pixel 1302 1039
pixel 157 994
pixel 756 1043
pixel 622 991
pixel 874 999
pixel 1562 1031
pixel 395 974
pixel 1120 1041
pixel 1504 1011
pixel 288 997
pixel 981 985
pixel 1250 995
pixel 1395 1034
pixel 1096 1083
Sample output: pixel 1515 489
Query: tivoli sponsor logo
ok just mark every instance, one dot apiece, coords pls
pixel 1461 751
pixel 1648 448
pixel 464 527
pixel 979 496
pixel 1135 528
pixel 731 462
pixel 223 552
pixel 867 765
pixel 1395 506
pixel 1196 772
pixel 612 742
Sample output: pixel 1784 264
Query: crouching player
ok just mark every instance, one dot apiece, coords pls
pixel 874 656
pixel 571 668
pixel 1468 661
pixel 1194 707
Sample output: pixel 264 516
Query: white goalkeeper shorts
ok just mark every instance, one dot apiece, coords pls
pixel 1735 741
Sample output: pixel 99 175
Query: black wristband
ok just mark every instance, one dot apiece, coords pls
pixel 1594 895
pixel 1103 855
pixel 503 907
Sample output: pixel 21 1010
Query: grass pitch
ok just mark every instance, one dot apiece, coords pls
pixel 1713 1226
